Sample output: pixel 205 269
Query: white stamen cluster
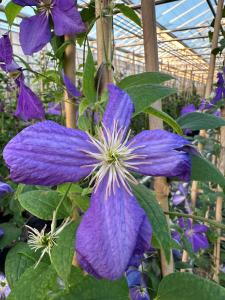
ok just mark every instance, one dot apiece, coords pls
pixel 45 241
pixel 45 6
pixel 114 159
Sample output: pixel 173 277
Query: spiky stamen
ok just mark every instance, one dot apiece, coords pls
pixel 45 6
pixel 45 241
pixel 115 159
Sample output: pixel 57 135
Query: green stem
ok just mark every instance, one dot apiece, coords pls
pixel 211 222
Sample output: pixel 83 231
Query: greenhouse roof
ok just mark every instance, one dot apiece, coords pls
pixel 183 42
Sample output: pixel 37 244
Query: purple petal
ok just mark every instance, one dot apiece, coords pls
pixel 160 154
pixel 29 106
pixel 184 223
pixel 119 108
pixel 67 20
pixel 72 90
pixel 218 95
pixel 204 105
pixel 48 154
pixel 187 109
pixel 111 232
pixel 198 228
pixel 2 232
pixel 177 199
pixel 5 189
pixel 54 108
pixel 26 2
pixel 176 236
pixel 6 52
pixel 35 33
pixel 198 241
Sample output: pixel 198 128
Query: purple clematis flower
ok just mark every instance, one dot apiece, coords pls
pixel 135 281
pixel 195 234
pixel 181 196
pixel 220 90
pixel 4 287
pixel 5 189
pixel 35 31
pixel 114 228
pixel 29 106
pixel 189 108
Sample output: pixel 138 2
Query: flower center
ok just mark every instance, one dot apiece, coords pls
pixel 45 6
pixel 115 159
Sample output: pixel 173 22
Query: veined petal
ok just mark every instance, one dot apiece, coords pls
pixel 35 33
pixel 26 2
pixel 6 53
pixel 29 106
pixel 199 241
pixel 119 109
pixel 111 232
pixel 49 154
pixel 67 21
pixel 160 154
pixel 200 228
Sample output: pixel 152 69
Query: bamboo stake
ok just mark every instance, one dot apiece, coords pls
pixel 151 65
pixel 69 70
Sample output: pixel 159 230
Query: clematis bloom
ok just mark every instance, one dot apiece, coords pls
pixel 195 233
pixel 114 228
pixel 35 31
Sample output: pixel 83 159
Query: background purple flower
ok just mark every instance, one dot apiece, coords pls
pixel 181 196
pixel 220 90
pixel 189 108
pixel 5 189
pixel 114 228
pixel 4 287
pixel 195 234
pixel 71 88
pixel 54 108
pixel 6 55
pixel 35 31
pixel 2 232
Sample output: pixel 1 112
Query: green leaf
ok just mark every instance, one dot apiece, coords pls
pixel 186 286
pixel 88 78
pixel 129 13
pixel 88 288
pixel 166 118
pixel 17 263
pixel 11 12
pixel 145 94
pixel 42 203
pixel 11 233
pixel 198 120
pixel 62 253
pixel 204 170
pixel 156 217
pixel 144 78
pixel 35 284
pixel 60 51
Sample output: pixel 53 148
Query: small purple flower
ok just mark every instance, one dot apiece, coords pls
pixel 2 233
pixel 5 189
pixel 181 196
pixel 54 108
pixel 135 281
pixel 4 287
pixel 114 228
pixel 205 105
pixel 71 89
pixel 35 31
pixel 220 90
pixel 29 106
pixel 195 234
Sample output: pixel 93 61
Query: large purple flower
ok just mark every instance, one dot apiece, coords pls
pixel 195 234
pixel 115 227
pixel 6 55
pixel 35 31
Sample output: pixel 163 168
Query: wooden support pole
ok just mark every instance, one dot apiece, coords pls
pixel 104 41
pixel 69 70
pixel 151 65
pixel 214 45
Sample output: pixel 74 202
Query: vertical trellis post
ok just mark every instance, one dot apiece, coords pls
pixel 151 65
pixel 69 69
pixel 104 41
